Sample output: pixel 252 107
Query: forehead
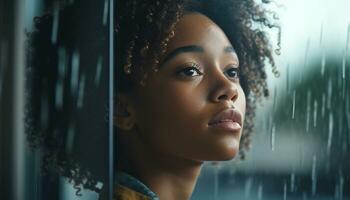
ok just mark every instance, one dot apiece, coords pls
pixel 198 29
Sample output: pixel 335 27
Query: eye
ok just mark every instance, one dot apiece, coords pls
pixel 232 72
pixel 190 70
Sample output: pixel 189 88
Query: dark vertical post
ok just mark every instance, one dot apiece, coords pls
pixel 11 99
pixel 111 96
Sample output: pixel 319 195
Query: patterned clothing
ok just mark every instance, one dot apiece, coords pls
pixel 129 188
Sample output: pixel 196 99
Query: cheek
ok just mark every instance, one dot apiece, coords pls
pixel 169 104
pixel 168 117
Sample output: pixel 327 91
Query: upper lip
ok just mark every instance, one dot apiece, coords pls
pixel 227 115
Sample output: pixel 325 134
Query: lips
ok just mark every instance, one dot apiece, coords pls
pixel 228 119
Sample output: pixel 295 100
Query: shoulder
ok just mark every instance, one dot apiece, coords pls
pixel 124 193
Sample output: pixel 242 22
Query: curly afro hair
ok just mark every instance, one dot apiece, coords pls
pixel 142 31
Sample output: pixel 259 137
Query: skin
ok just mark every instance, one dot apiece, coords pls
pixel 164 124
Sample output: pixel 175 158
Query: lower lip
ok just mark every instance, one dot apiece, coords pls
pixel 229 126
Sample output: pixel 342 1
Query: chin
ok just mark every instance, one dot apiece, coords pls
pixel 231 154
pixel 224 154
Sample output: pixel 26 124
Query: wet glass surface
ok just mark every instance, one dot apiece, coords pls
pixel 301 145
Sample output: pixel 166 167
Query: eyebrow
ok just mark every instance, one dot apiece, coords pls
pixel 192 48
pixel 184 49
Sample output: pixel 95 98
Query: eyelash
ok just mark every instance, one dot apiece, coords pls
pixel 234 69
pixel 196 68
pixel 188 67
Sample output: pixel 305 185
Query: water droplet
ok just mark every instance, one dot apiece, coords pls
pixel 285 191
pixel 308 110
pixel 313 176
pixel 59 94
pixel 292 181
pixel 315 112
pixel 336 191
pixel 323 63
pixel 105 12
pixel 75 73
pixel 70 138
pixel 330 133
pixel 81 92
pixel 62 62
pixel 348 119
pixel 55 22
pixel 323 105
pixel 293 110
pixel 98 71
pixel 273 133
pixel 260 192
pixel 341 187
pixel 329 93
pixel 248 187
pixel 343 65
pixel 274 99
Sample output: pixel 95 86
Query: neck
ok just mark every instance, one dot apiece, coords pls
pixel 171 178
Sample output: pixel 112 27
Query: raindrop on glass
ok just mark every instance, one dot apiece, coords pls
pixel 75 73
pixel 343 65
pixel 313 176
pixel 336 191
pixel 308 110
pixel 98 71
pixel 273 133
pixel 330 133
pixel 260 192
pixel 323 105
pixel 292 182
pixel 70 139
pixel 329 94
pixel 315 112
pixel 81 92
pixel 105 12
pixel 274 99
pixel 285 191
pixel 59 94
pixel 62 62
pixel 248 187
pixel 55 22
pixel 293 109
pixel 341 187
pixel 323 63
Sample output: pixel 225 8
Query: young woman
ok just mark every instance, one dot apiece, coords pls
pixel 188 76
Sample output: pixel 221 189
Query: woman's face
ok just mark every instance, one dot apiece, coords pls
pixel 185 109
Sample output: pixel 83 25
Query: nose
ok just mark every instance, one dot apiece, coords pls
pixel 224 89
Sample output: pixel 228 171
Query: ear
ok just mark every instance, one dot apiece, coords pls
pixel 124 113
